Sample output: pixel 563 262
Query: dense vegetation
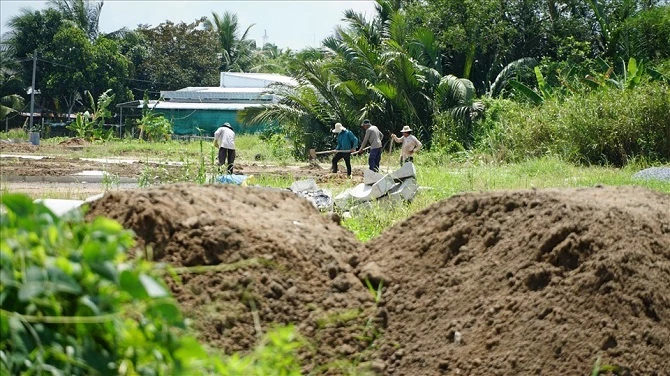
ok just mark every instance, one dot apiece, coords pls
pixel 448 68
pixel 72 303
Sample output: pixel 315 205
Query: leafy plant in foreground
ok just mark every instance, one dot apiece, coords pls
pixel 71 303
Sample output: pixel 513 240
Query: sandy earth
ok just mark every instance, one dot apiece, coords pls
pixel 496 283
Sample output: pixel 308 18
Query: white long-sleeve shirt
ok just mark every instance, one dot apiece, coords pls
pixel 225 137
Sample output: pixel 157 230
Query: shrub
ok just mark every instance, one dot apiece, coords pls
pixel 71 303
pixel 603 127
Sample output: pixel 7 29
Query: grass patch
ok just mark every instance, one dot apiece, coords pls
pixel 338 318
pixel 441 182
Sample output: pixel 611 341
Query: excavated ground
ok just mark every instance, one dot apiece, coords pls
pixel 528 282
pixel 497 283
pixel 282 262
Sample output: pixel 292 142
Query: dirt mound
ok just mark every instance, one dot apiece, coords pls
pixel 531 282
pixel 18 147
pixel 76 141
pixel 280 261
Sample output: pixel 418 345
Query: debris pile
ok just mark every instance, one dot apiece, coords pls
pixel 399 185
pixel 322 199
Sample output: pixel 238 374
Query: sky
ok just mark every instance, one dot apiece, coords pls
pixel 292 24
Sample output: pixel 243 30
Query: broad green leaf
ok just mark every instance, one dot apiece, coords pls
pixel 130 283
pixel 153 288
pixel 20 204
pixel 106 270
pixel 528 92
pixel 30 290
pixel 167 310
pixel 63 282
pixel 190 350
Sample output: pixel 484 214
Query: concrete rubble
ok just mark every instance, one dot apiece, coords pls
pixel 386 190
pixel 322 199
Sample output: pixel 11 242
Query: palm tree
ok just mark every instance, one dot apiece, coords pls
pixel 10 83
pixel 236 49
pixel 85 14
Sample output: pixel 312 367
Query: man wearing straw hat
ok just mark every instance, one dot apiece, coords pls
pixel 346 144
pixel 410 144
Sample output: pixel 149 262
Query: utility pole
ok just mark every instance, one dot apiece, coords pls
pixel 32 92
pixel 265 38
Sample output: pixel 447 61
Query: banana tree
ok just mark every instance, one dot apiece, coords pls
pixel 543 93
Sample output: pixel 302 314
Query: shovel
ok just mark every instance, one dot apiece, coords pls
pixel 313 153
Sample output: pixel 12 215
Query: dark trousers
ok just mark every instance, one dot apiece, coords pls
pixel 347 161
pixel 230 154
pixel 374 159
pixel 405 160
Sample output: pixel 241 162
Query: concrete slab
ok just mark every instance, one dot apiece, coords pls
pixel 63 179
pixel 304 185
pixel 60 207
pixel 370 177
pixel 405 190
pixel 381 187
pixel 406 171
pixel 110 160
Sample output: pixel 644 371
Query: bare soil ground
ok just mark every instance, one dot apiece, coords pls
pixel 286 264
pixel 58 163
pixel 530 282
pixel 495 283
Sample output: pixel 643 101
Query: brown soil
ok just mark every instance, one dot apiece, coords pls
pixel 76 141
pixel 63 166
pixel 18 147
pixel 533 282
pixel 287 264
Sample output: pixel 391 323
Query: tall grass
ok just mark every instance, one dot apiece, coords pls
pixel 604 127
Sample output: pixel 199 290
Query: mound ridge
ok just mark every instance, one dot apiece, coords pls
pixel 287 264
pixel 528 282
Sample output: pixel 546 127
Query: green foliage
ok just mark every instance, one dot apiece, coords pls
pixel 275 356
pixel 603 127
pixel 90 124
pixel 72 303
pixel 153 126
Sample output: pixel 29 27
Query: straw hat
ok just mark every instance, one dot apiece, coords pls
pixel 338 128
pixel 406 128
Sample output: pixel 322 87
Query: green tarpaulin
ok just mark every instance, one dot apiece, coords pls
pixel 187 122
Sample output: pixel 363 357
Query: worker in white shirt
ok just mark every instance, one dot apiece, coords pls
pixel 224 139
pixel 410 144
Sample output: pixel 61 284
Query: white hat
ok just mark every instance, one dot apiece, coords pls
pixel 338 128
pixel 406 128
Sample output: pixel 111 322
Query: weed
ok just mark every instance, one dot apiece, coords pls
pixel 375 293
pixel 110 181
pixel 338 318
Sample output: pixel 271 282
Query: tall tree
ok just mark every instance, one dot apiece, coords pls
pixel 236 50
pixel 85 14
pixel 178 55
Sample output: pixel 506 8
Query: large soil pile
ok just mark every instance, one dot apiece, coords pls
pixel 532 282
pixel 285 263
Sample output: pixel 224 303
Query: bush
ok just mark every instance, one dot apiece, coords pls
pixel 608 126
pixel 71 303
